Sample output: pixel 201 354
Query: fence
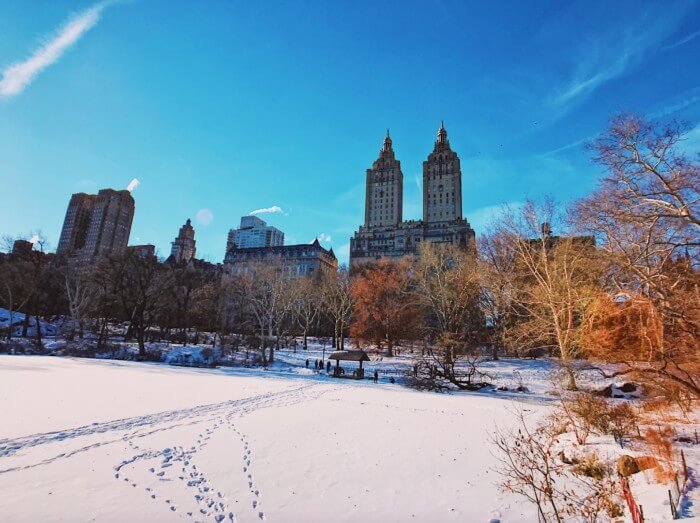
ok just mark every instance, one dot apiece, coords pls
pixel 635 509
pixel 675 493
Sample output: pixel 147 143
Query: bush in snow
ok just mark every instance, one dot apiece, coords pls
pixel 532 465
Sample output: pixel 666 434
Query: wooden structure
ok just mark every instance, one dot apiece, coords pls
pixel 349 355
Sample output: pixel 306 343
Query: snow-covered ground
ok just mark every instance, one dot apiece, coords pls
pixel 106 440
pixel 94 440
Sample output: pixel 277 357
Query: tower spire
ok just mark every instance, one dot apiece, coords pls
pixel 442 133
pixel 387 142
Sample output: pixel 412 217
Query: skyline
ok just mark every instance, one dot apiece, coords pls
pixel 286 127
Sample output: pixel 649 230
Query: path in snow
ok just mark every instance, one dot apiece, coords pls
pixel 169 464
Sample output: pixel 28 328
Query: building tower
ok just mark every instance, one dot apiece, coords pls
pixel 76 223
pixel 442 182
pixel 252 233
pixel 110 223
pixel 183 248
pixel 384 193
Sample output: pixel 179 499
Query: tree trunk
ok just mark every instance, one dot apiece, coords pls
pixel 10 326
pixel 142 344
pixel 38 332
pixel 102 332
pixel 571 385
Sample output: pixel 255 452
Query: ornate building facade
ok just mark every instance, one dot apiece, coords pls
pixel 384 233
pixel 303 260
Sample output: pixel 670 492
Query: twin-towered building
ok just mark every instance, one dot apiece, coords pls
pixel 384 233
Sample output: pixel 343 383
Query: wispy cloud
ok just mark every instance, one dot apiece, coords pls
pixel 577 144
pixel 677 103
pixel 598 68
pixel 691 141
pixel 273 209
pixel 613 54
pixel 416 179
pixel 16 77
pixel 323 238
pixel 684 40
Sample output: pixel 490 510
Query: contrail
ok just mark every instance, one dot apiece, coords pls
pixel 19 75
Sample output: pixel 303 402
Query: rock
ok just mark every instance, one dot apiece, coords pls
pixel 607 392
pixel 628 387
pixel 626 465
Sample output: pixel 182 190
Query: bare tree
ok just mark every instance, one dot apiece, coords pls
pixel 497 264
pixel 646 212
pixel 16 287
pixel 80 295
pixel 135 287
pixel 306 304
pixel 446 287
pixel 557 277
pixel 263 289
pixel 337 303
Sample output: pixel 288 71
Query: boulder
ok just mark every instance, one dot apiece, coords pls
pixel 628 387
pixel 626 465
pixel 607 392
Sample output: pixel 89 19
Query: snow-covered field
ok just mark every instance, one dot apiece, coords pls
pixel 94 440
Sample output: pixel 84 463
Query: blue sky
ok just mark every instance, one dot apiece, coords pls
pixel 228 106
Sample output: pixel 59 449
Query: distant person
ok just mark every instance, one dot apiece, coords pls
pixel 415 370
pixel 316 364
pixel 328 366
pixel 392 380
pixel 376 376
pixel 307 364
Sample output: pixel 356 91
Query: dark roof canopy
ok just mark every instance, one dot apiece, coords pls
pixel 349 355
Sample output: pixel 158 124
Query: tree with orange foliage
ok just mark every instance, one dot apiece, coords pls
pixel 646 212
pixel 630 332
pixel 382 311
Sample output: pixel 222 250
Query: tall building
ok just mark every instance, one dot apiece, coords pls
pixel 97 225
pixel 384 234
pixel 384 189
pixel 110 224
pixel 76 223
pixel 183 248
pixel 254 232
pixel 442 182
pixel 295 260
